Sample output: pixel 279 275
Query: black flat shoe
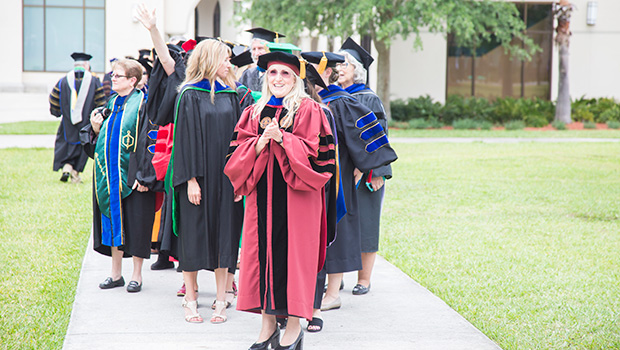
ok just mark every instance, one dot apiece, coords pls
pixel 134 287
pixel 341 286
pixel 162 265
pixel 273 340
pixel 317 323
pixel 360 289
pixel 109 283
pixel 298 344
pixel 65 176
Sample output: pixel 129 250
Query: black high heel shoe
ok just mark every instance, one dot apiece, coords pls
pixel 297 345
pixel 274 341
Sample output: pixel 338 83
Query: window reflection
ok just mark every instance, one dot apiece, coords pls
pixel 490 72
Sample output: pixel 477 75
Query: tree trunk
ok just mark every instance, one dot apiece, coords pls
pixel 383 76
pixel 563 107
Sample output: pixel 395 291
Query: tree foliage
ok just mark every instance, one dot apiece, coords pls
pixel 469 21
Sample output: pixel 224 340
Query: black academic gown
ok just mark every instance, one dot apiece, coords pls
pixel 208 233
pixel 370 203
pixel 252 79
pixel 138 209
pixel 163 90
pixel 67 148
pixel 362 144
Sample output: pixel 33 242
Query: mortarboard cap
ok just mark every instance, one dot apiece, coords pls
pixel 323 59
pixel 284 47
pixel 265 34
pixel 314 77
pixel 358 52
pixel 287 59
pixel 242 59
pixel 144 52
pixel 81 56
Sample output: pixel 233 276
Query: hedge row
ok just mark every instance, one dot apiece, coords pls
pixel 534 112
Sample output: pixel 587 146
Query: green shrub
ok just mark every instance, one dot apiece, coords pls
pixel 613 124
pixel 434 123
pixel 418 123
pixel 398 125
pixel 485 125
pixel 399 110
pixel 514 125
pixel 558 125
pixel 536 120
pixel 601 106
pixel 589 125
pixel 611 114
pixel 505 110
pixel 452 109
pixel 463 124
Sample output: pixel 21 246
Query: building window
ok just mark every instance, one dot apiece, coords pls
pixel 491 73
pixel 53 29
pixel 216 21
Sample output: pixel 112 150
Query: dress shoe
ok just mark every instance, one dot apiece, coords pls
pixel 65 176
pixel 360 289
pixel 134 287
pixel 333 305
pixel 109 283
pixel 273 340
pixel 298 344
pixel 162 265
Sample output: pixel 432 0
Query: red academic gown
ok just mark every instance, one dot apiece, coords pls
pixel 284 225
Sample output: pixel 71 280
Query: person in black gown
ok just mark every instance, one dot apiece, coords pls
pixel 206 218
pixel 123 179
pixel 73 98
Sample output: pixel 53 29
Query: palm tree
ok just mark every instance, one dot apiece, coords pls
pixel 563 13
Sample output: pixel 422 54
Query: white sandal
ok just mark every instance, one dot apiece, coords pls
pixel 192 306
pixel 217 317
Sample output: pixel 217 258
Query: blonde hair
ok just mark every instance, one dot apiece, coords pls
pixel 204 62
pixel 291 101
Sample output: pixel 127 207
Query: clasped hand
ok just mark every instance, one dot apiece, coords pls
pixel 272 132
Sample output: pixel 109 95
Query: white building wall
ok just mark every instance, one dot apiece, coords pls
pixel 594 60
pixel 595 51
pixel 419 72
pixel 11 60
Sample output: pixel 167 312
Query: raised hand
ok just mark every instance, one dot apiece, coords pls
pixel 148 19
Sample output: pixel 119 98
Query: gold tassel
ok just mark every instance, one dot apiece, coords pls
pixel 302 69
pixel 322 64
pixel 277 40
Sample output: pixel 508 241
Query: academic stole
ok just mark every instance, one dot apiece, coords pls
pixel 118 138
pixel 203 86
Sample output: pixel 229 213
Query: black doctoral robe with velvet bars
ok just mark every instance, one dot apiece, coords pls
pixel 362 144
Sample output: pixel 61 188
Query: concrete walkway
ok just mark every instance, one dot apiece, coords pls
pixel 397 313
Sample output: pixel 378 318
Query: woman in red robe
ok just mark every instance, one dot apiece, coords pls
pixel 281 156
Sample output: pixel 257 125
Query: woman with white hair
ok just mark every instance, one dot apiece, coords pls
pixel 282 155
pixel 353 75
pixel 206 218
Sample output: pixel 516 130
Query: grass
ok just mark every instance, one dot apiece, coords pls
pixel 505 133
pixel 30 128
pixel 520 239
pixel 44 228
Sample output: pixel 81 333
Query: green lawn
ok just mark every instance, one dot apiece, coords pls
pixel 505 133
pixel 30 128
pixel 44 228
pixel 521 239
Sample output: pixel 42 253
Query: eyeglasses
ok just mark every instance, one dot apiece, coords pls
pixel 114 75
pixel 285 74
pixel 342 65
